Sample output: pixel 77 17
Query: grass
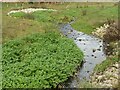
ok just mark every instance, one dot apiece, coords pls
pixel 86 84
pixel 105 64
pixel 95 16
pixel 39 61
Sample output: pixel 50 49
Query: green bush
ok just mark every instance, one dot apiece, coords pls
pixel 39 61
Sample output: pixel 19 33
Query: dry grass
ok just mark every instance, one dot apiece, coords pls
pixel 16 27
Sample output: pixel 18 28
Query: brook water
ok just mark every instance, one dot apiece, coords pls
pixel 92 48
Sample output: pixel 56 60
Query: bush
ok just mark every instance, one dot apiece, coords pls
pixel 39 61
pixel 112 32
pixel 84 12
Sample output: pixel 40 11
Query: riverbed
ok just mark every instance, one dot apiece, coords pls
pixel 93 50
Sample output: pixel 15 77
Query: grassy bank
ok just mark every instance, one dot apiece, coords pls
pixel 105 64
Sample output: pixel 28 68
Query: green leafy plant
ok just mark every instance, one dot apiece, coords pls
pixel 39 61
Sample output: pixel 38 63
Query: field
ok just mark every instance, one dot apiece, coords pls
pixel 35 53
pixel 87 16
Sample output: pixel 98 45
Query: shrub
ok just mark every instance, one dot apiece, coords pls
pixel 112 32
pixel 39 61
pixel 84 12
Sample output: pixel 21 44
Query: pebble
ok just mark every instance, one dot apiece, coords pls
pixel 88 71
pixel 100 46
pixel 71 30
pixel 108 78
pixel 95 57
pixel 99 49
pixel 94 50
pixel 80 39
pixel 116 65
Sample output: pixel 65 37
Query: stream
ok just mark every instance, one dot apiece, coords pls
pixel 92 48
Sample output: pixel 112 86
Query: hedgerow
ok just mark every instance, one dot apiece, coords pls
pixel 39 61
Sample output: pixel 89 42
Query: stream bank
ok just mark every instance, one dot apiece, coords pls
pixel 107 73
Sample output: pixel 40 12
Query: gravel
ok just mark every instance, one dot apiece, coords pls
pixel 108 78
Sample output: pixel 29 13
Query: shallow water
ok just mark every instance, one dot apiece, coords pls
pixel 92 48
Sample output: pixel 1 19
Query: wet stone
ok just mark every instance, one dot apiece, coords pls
pixel 95 57
pixel 90 63
pixel 88 71
pixel 99 49
pixel 94 50
pixel 74 38
pixel 84 61
pixel 71 30
pixel 100 46
pixel 80 39
pixel 87 55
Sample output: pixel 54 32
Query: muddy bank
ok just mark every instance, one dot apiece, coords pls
pixel 92 48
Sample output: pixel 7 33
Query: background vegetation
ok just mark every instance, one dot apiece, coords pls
pixel 88 16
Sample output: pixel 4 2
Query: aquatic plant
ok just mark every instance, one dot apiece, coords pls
pixel 39 61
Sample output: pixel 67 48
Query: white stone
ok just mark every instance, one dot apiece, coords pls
pixel 30 10
pixel 100 77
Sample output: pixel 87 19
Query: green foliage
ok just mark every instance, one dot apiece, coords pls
pixel 105 64
pixel 41 16
pixel 39 61
pixel 92 17
pixel 18 14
